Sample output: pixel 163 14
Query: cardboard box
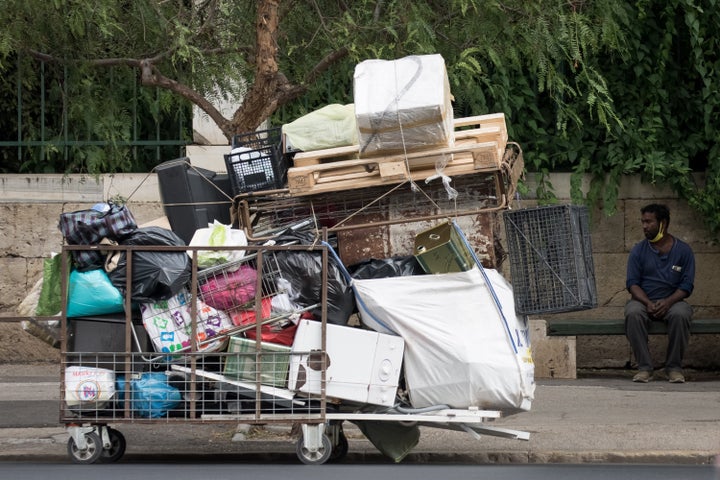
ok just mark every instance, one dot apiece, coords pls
pixel 403 105
pixel 361 365
pixel 273 365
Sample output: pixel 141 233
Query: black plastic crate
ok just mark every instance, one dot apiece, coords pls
pixel 551 264
pixel 257 162
pixel 192 197
pixel 258 139
pixel 258 169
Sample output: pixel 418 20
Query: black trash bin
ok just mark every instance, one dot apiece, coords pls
pixel 192 197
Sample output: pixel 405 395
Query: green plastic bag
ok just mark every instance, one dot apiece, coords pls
pixel 50 302
pixel 331 126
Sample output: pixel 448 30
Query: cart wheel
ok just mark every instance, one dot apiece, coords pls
pixel 340 450
pixel 91 454
pixel 314 458
pixel 117 447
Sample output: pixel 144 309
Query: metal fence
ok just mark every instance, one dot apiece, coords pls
pixel 52 119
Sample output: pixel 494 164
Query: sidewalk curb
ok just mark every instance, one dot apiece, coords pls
pixel 48 445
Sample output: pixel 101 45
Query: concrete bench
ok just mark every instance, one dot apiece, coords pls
pixel 554 341
pixel 575 327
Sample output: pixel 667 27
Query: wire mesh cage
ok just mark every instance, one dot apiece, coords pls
pixel 271 214
pixel 551 264
pixel 232 286
pixel 192 386
pixel 220 347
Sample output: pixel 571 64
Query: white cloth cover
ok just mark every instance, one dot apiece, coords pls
pixel 403 105
pixel 462 348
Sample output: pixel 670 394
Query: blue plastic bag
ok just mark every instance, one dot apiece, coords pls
pixel 152 396
pixel 92 293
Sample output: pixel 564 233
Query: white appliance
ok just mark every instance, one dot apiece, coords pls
pixel 362 366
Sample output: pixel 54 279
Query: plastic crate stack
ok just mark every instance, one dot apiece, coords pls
pixel 256 162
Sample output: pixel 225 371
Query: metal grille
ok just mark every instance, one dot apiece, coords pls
pixel 194 356
pixel 551 263
pixel 249 385
pixel 271 214
pixel 39 129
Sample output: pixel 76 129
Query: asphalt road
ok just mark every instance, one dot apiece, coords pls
pixel 179 470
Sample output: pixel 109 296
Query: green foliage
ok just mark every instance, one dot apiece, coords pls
pixel 602 89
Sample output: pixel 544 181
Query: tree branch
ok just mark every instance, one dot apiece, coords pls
pixel 151 76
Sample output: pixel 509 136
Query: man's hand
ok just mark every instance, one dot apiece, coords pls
pixel 659 308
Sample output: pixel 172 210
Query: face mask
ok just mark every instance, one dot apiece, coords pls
pixel 660 234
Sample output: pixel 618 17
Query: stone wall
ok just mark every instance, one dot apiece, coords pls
pixel 31 205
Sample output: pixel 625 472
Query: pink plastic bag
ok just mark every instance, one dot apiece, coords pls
pixel 230 290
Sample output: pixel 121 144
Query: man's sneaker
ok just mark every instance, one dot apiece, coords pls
pixel 643 376
pixel 676 377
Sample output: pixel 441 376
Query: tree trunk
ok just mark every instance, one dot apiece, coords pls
pixel 262 98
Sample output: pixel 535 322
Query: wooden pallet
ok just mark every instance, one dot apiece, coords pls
pixel 334 169
pixel 368 172
pixel 490 128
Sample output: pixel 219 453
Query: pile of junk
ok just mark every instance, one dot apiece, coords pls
pixel 196 317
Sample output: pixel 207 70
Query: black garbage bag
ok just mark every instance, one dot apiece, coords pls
pixel 386 267
pixel 393 439
pixel 156 275
pixel 303 270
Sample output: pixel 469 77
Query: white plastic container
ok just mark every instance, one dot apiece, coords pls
pixel 362 365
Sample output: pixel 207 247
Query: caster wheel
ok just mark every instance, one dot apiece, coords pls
pixel 314 458
pixel 91 454
pixel 117 447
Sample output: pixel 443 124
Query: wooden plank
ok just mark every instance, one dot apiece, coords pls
pixel 461 148
pixel 310 158
pixel 477 156
pixel 373 171
pixel 488 119
pixel 393 171
pixel 484 134
pixel 617 327
pixel 311 184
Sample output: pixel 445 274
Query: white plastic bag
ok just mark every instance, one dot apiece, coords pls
pixel 218 235
pixel 169 324
pixel 89 386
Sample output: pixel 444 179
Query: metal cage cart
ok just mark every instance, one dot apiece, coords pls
pixel 198 356
pixel 241 343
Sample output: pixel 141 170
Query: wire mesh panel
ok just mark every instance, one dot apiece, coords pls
pixel 251 384
pixel 551 263
pixel 271 214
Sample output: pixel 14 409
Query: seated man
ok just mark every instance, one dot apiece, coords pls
pixel 660 275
